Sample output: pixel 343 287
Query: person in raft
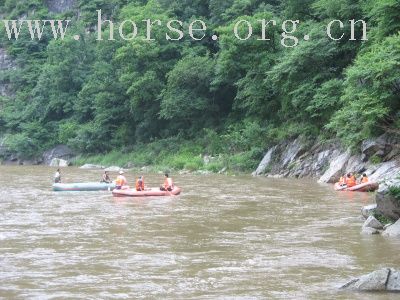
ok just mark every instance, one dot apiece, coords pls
pixel 364 178
pixel 350 180
pixel 140 184
pixel 105 178
pixel 57 176
pixel 121 180
pixel 168 184
pixel 342 181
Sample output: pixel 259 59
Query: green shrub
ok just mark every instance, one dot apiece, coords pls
pixel 215 166
pixel 67 131
pixel 383 219
pixel 395 192
pixel 374 159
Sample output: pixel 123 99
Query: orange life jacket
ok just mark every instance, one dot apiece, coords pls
pixel 168 184
pixel 351 181
pixel 139 185
pixel 364 179
pixel 121 181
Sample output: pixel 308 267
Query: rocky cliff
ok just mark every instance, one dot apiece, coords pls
pixel 59 6
pixel 379 158
pixel 6 63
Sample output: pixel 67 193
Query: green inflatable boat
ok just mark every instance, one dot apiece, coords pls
pixel 83 187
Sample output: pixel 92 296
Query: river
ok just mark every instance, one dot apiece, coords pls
pixel 225 237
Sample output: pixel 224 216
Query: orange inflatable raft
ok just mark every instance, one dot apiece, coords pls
pixel 363 187
pixel 154 192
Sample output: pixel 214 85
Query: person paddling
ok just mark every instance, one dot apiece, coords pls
pixel 168 184
pixel 57 176
pixel 140 184
pixel 121 180
pixel 105 178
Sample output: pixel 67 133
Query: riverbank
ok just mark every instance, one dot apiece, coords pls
pixel 379 158
pixel 324 160
pixel 183 158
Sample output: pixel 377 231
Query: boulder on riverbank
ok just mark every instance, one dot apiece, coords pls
pixel 368 210
pixel 386 203
pixel 113 169
pixel 56 162
pixel 61 152
pixel 381 280
pixel 393 230
pixel 372 222
pixel 93 167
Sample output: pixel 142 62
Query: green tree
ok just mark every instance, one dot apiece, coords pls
pixel 371 97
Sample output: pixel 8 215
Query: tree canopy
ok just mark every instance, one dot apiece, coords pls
pixel 97 96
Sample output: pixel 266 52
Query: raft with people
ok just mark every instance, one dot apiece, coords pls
pixel 83 187
pixel 152 192
pixel 363 187
pixel 167 189
pixel 349 183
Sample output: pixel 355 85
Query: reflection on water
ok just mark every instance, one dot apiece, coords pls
pixel 223 238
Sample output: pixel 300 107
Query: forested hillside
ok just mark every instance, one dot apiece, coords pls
pixel 186 98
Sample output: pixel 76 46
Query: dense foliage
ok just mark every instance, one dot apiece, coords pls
pixel 228 96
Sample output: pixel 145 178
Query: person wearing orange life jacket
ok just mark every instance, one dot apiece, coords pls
pixel 168 184
pixel 350 180
pixel 364 178
pixel 121 181
pixel 140 184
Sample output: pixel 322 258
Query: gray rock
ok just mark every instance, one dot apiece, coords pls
pixel 60 151
pixel 387 204
pixel 387 225
pixel 380 146
pixel 30 162
pixel 393 283
pixel 385 171
pixel 355 164
pixel 90 166
pixel 372 222
pixel 369 231
pixel 381 280
pixel 292 151
pixel 129 165
pixel 184 172
pixel 6 63
pixel 393 230
pixel 113 169
pixel 375 281
pixel 59 6
pixel 57 162
pixel 223 170
pixel 208 159
pixel 370 147
pixel 368 210
pixel 203 172
pixel 262 167
pixel 336 169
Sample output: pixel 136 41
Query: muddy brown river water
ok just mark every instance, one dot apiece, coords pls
pixel 225 237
